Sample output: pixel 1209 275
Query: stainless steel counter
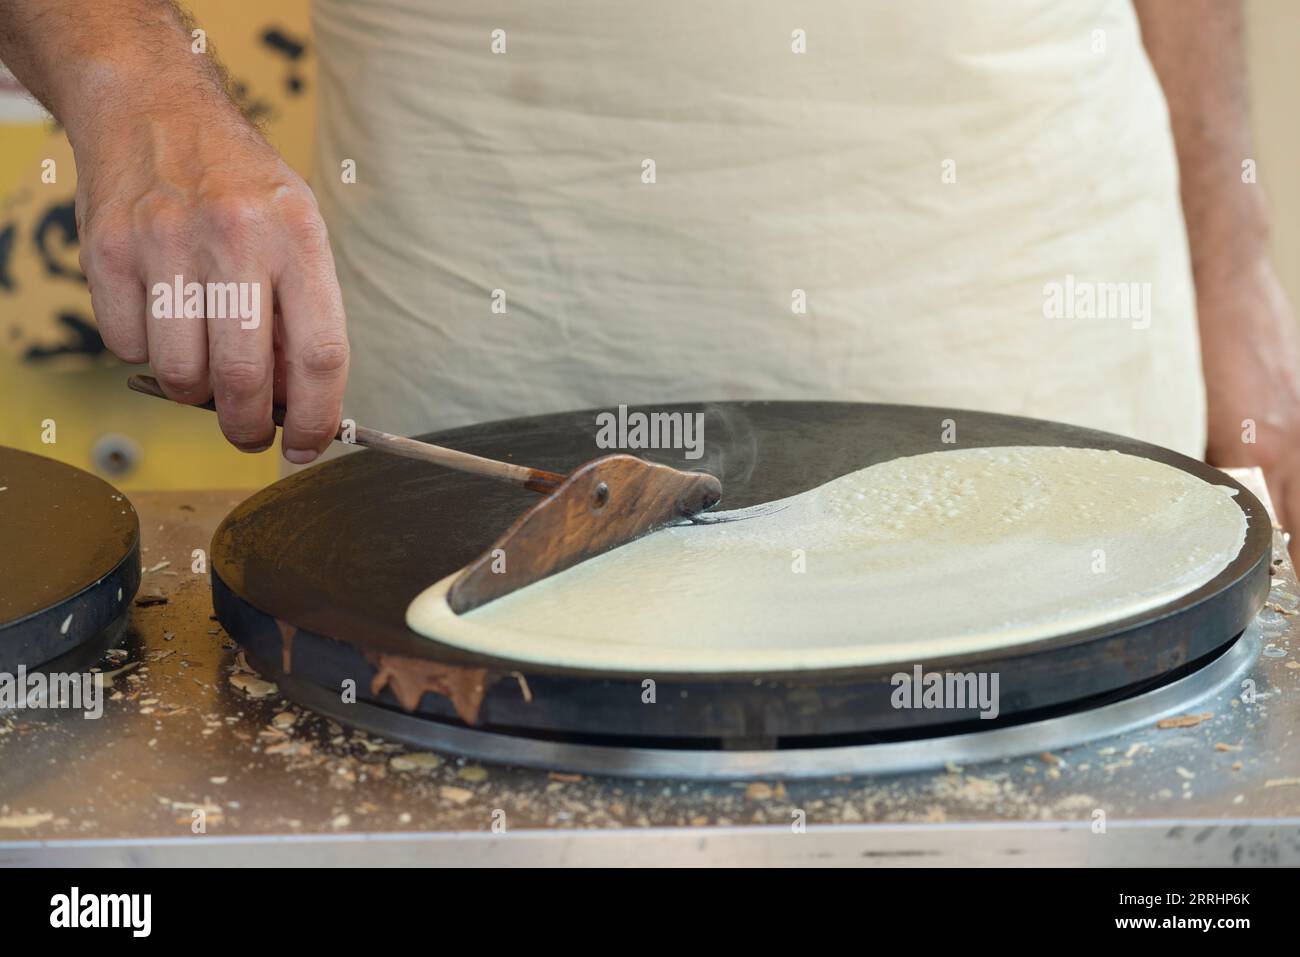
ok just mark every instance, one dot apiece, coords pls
pixel 189 737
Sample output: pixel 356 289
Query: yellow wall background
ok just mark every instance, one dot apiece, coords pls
pixel 1273 29
pixel 179 448
pixel 134 441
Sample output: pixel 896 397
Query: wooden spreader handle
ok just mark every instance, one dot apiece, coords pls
pixel 600 505
pixel 535 480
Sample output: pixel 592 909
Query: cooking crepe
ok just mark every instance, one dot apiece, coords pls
pixel 931 555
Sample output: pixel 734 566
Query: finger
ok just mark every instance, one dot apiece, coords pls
pixel 315 346
pixel 240 356
pixel 116 293
pixel 178 349
pixel 1284 495
pixel 277 330
pixel 177 341
pixel 1286 501
pixel 119 307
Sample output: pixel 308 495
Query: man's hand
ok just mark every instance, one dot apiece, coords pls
pixel 1252 369
pixel 173 181
pixel 1250 345
pixel 198 194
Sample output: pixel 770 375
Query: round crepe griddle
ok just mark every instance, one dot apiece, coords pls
pixel 69 560
pixel 316 573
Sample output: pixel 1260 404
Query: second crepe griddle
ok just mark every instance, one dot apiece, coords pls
pixel 316 573
pixel 69 563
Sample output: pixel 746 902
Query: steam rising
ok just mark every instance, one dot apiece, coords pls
pixel 730 445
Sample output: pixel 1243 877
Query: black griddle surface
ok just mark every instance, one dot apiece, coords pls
pixel 69 558
pixel 340 550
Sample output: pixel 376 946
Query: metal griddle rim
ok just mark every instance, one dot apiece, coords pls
pixel 1250 563
pixel 1072 666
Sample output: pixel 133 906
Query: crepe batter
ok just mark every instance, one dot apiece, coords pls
pixel 931 555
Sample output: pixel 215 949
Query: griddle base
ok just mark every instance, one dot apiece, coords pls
pixel 1220 676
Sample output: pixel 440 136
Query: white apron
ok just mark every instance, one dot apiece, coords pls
pixel 965 204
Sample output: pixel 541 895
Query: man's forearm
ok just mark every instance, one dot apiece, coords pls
pixel 1249 345
pixel 172 181
pixel 1196 47
pixel 86 60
